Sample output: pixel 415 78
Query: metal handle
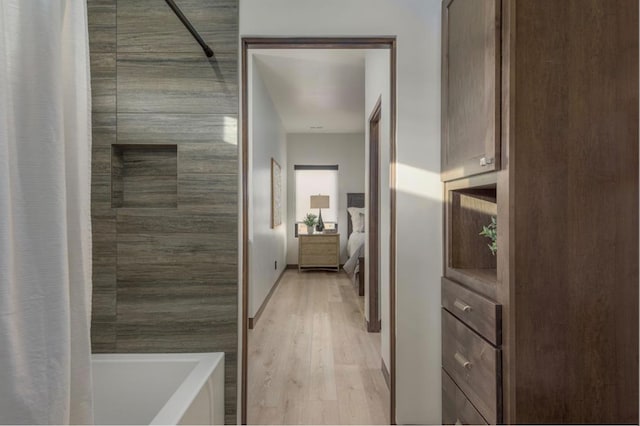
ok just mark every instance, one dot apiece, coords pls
pixel 484 161
pixel 462 306
pixel 458 422
pixel 463 361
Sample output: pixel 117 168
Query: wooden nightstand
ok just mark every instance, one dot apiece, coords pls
pixel 319 251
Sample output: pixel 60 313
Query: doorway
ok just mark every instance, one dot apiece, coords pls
pixel 388 43
pixel 374 322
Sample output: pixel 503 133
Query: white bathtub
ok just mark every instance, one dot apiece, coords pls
pixel 155 389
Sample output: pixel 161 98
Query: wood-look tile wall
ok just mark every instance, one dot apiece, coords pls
pixel 165 278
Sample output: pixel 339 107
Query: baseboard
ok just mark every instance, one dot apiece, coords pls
pixel 373 327
pixel 385 373
pixel 254 320
pixel 295 266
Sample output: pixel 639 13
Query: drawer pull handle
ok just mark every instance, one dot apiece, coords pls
pixel 463 361
pixel 462 306
pixel 458 422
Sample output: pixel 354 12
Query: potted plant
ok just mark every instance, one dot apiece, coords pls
pixel 490 231
pixel 310 220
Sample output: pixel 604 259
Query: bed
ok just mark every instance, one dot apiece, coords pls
pixel 355 264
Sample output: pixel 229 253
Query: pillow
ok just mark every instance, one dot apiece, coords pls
pixel 357 218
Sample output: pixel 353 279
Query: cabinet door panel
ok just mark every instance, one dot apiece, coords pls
pixel 470 88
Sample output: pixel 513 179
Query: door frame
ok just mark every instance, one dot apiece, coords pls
pixel 386 42
pixel 373 264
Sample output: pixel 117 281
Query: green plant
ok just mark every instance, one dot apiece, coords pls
pixel 310 219
pixel 490 231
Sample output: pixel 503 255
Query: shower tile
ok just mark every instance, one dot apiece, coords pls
pixel 177 249
pixel 161 275
pixel 131 221
pixel 230 380
pixel 181 129
pixel 102 25
pixel 144 176
pixel 101 195
pixel 103 307
pixel 137 308
pixel 104 249
pixel 101 160
pixel 103 337
pixel 103 130
pixel 103 82
pixel 103 224
pixel 216 191
pixel 177 83
pixel 216 21
pixel 218 157
pixel 177 336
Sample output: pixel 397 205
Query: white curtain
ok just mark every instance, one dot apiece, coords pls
pixel 45 223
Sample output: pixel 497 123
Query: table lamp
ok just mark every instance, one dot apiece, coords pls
pixel 320 202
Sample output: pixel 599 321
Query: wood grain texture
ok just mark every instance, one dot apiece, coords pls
pixel 576 128
pixel 214 193
pixel 103 82
pixel 178 128
pixel 311 360
pixel 469 205
pixel 373 317
pixel 456 408
pixel 102 26
pixel 476 311
pixel 144 176
pixel 319 251
pixel 216 21
pixel 470 100
pixel 175 264
pixel 481 380
pixel 177 83
pixel 150 221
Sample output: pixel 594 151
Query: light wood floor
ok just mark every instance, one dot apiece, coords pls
pixel 311 360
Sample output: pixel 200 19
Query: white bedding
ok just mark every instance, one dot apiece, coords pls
pixel 355 249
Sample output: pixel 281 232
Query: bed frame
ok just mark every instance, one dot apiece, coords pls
pixel 356 199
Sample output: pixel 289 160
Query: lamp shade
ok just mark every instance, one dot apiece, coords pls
pixel 319 201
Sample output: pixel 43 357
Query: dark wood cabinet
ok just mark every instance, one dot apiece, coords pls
pixel 470 87
pixel 556 309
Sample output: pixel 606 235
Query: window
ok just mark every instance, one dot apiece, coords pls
pixel 316 180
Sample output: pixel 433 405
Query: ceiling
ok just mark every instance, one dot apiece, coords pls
pixel 315 90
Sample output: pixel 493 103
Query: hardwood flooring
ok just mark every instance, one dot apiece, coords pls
pixel 311 360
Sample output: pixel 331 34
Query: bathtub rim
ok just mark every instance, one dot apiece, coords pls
pixel 174 408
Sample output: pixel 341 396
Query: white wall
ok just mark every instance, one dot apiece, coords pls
pixel 267 139
pixel 377 86
pixel 416 23
pixel 344 149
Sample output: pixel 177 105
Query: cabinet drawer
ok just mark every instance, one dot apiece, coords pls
pixel 318 249
pixel 318 239
pixel 319 260
pixel 478 312
pixel 456 408
pixel 474 365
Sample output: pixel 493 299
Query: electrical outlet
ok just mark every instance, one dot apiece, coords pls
pixel 276 268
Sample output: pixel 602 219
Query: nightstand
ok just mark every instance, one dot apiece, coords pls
pixel 319 251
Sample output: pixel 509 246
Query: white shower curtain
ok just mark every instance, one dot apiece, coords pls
pixel 45 223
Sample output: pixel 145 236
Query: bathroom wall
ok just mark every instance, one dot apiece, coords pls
pixel 267 245
pixel 164 201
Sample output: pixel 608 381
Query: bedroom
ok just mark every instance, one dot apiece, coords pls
pixel 318 304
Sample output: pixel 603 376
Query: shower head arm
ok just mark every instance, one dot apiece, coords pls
pixel 207 50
